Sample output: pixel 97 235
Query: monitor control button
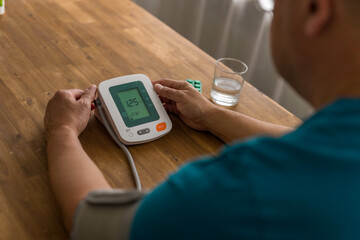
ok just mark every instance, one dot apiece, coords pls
pixel 131 135
pixel 161 126
pixel 143 131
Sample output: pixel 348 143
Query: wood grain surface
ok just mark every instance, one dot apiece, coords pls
pixel 46 45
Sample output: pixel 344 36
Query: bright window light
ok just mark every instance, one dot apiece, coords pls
pixel 266 5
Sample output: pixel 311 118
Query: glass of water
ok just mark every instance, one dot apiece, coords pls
pixel 228 81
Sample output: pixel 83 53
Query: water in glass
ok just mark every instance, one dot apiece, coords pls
pixel 226 91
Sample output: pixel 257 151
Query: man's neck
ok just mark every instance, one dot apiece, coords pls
pixel 341 82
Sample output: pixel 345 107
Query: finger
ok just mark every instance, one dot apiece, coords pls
pixel 76 93
pixel 176 84
pixel 169 93
pixel 72 94
pixel 165 100
pixel 89 95
pixel 171 108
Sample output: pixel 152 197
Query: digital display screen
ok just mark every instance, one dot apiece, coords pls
pixel 134 104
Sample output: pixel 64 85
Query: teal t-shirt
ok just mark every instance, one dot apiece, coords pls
pixel 304 185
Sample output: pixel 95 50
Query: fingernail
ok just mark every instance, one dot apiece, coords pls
pixel 158 87
pixel 92 88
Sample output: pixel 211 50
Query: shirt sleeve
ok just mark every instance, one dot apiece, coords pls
pixel 222 197
pixel 106 214
pixel 193 204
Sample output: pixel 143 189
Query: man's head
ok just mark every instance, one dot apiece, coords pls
pixel 315 43
pixel 353 7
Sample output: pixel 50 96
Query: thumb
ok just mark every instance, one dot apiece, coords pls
pixel 89 94
pixel 169 93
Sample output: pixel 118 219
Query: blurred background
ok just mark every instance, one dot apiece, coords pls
pixel 231 28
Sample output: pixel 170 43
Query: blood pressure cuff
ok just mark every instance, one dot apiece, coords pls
pixel 106 214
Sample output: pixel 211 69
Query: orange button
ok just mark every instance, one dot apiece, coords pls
pixel 161 126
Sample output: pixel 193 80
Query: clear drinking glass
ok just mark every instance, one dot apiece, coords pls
pixel 228 81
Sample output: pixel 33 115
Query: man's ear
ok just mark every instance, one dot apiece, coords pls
pixel 319 16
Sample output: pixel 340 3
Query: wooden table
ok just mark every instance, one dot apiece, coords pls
pixel 46 45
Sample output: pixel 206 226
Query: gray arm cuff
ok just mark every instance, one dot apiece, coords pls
pixel 106 214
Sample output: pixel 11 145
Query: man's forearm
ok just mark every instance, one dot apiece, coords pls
pixel 72 173
pixel 230 125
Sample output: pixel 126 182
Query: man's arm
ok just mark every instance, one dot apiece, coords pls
pixel 199 113
pixel 72 173
pixel 230 125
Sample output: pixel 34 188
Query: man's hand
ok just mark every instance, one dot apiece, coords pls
pixel 185 101
pixel 199 113
pixel 69 109
pixel 72 173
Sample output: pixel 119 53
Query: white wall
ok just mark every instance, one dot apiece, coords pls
pixel 231 28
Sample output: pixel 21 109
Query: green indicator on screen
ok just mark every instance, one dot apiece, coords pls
pixel 134 104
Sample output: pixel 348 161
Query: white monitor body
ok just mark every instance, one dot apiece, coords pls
pixel 133 109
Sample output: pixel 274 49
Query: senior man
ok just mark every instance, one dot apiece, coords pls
pixel 293 184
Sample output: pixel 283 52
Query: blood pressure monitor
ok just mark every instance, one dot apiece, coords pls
pixel 133 110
